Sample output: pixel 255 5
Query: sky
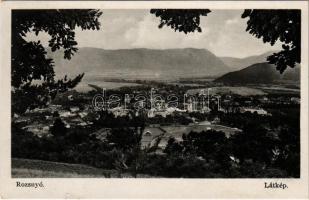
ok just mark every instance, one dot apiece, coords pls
pixel 223 33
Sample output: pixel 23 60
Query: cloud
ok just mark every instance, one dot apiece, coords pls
pixel 233 40
pixel 223 33
pixel 232 21
pixel 147 34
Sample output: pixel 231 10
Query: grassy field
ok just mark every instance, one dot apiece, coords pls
pixel 178 131
pixel 28 168
pixel 279 90
pixel 84 87
pixel 243 91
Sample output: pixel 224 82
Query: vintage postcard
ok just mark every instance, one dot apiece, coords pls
pixel 154 99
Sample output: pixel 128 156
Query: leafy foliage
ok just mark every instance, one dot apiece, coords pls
pixel 182 20
pixel 274 25
pixel 29 59
pixel 123 138
pixel 260 149
pixel 58 129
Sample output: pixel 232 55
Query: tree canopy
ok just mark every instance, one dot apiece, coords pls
pixel 277 25
pixel 29 59
pixel 182 20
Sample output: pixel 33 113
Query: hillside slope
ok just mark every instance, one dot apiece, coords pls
pixel 259 73
pixel 29 168
pixel 241 63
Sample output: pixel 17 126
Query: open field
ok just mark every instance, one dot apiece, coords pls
pixel 178 131
pixel 84 87
pixel 280 90
pixel 243 91
pixel 28 168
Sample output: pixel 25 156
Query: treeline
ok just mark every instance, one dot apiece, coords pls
pixel 255 152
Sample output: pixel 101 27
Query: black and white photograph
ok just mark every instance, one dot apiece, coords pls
pixel 173 93
pixel 154 100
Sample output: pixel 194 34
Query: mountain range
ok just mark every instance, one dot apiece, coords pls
pixel 167 64
pixel 140 63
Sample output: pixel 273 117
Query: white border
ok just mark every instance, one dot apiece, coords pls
pixel 146 188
